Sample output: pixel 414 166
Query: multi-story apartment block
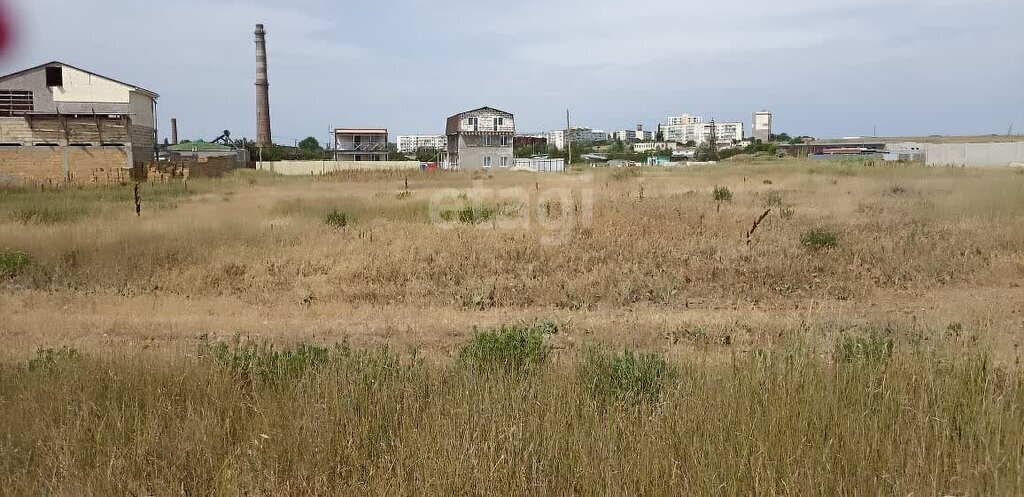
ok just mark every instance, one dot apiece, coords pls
pixel 692 128
pixel 629 135
pixel 557 138
pixel 412 143
pixel 684 119
pixel 480 139
pixel 361 144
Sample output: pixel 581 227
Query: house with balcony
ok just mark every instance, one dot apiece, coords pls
pixel 360 144
pixel 480 139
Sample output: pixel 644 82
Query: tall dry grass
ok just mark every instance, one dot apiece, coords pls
pixel 859 420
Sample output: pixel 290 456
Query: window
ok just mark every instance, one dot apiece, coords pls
pixel 474 122
pixel 499 121
pixel 504 162
pixel 504 141
pixel 54 76
pixel 487 162
pixel 15 102
pixel 487 141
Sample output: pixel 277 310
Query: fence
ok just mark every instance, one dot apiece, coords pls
pixel 540 165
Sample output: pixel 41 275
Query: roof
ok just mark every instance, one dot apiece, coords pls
pixel 139 89
pixel 198 146
pixel 360 130
pixel 453 121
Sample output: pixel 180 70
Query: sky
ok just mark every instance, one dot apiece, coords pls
pixel 825 68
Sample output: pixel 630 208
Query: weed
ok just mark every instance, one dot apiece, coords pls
pixel 870 348
pixel 786 212
pixel 13 262
pixel 629 376
pixel 624 173
pixel 897 190
pixel 722 194
pixel 50 359
pixel 513 349
pixel 820 239
pixel 773 199
pixel 337 219
pixel 44 215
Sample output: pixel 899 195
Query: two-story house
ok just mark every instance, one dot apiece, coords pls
pixel 360 144
pixel 481 139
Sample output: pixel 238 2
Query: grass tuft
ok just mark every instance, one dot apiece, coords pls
pixel 336 219
pixel 12 262
pixel 859 349
pixel 50 359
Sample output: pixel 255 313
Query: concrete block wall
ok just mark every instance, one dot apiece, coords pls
pixel 44 163
pixel 317 167
pixel 974 154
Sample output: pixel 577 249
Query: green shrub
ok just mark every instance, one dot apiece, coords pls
pixel 722 194
pixel 629 376
pixel 13 262
pixel 336 219
pixel 50 359
pixel 45 215
pixel 773 199
pixel 512 349
pixel 820 239
pixel 261 361
pixel 869 348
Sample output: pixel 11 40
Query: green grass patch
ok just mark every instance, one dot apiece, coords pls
pixel 820 239
pixel 629 376
pixel 336 219
pixel 50 359
pixel 869 348
pixel 512 349
pixel 12 262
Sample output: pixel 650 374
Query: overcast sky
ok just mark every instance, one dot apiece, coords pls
pixel 823 67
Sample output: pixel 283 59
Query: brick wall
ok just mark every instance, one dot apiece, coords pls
pixel 42 164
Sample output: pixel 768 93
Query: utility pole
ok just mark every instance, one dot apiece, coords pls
pixel 568 137
pixel 713 142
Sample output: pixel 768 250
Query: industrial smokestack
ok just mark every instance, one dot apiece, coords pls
pixel 262 90
pixel 174 131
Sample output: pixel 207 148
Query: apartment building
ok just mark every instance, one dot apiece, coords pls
pixel 762 126
pixel 557 138
pixel 699 131
pixel 412 143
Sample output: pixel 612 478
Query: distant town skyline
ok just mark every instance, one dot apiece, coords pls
pixel 825 68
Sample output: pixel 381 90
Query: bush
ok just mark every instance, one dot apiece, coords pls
pixel 50 359
pixel 773 199
pixel 630 377
pixel 512 349
pixel 13 262
pixel 336 219
pixel 871 348
pixel 722 194
pixel 820 239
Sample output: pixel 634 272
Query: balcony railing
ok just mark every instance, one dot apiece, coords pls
pixel 362 147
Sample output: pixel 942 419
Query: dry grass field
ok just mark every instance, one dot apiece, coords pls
pixel 599 331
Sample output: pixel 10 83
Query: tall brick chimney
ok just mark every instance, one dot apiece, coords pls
pixel 262 90
pixel 174 131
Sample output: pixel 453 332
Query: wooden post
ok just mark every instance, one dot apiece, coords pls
pixel 138 201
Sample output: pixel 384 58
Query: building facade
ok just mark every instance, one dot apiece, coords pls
pixel 684 119
pixel 761 126
pixel 480 139
pixel 360 144
pixel 700 132
pixel 630 136
pixel 557 138
pixel 62 123
pixel 412 143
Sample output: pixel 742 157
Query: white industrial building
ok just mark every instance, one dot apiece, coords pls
pixel 412 143
pixel 557 139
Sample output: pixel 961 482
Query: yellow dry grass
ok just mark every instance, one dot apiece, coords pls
pixel 931 258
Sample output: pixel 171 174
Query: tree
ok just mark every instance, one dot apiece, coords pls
pixel 427 154
pixel 310 144
pixel 660 136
